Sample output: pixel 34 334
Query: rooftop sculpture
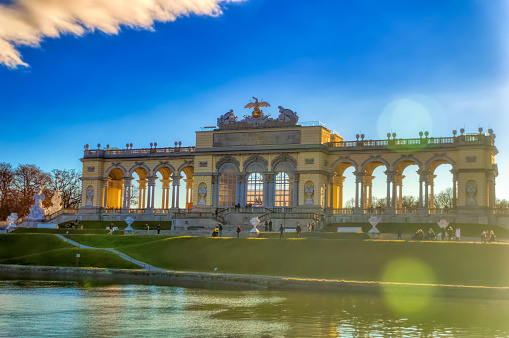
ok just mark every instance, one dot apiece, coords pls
pixel 258 119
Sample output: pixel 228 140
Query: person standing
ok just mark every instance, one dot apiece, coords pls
pixel 158 229
pixel 266 226
pixel 148 228
pixel 238 231
pixel 270 226
pixel 112 227
pixel 298 230
pixel 399 234
pixel 458 234
pixel 281 231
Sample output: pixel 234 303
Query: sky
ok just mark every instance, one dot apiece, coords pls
pixel 120 76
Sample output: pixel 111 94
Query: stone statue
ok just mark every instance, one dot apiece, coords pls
pixel 90 195
pixel 227 118
pixel 129 220
pixel 36 210
pixel 286 115
pixel 11 220
pixel 203 192
pixel 471 190
pixel 309 189
pixel 374 232
pixel 56 203
pixel 254 222
pixel 257 112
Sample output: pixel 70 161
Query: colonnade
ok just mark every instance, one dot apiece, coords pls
pixel 394 194
pixel 147 189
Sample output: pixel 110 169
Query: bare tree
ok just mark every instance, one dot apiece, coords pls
pixel 6 190
pixel 27 179
pixel 443 199
pixel 68 182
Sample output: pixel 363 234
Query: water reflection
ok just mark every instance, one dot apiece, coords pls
pixel 70 309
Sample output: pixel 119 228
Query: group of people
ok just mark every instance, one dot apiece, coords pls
pixel 218 231
pixel 488 236
pixel 446 234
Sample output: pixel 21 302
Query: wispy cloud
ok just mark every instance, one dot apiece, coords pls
pixel 27 22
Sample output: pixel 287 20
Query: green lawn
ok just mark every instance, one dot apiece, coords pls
pixel 107 241
pixel 49 250
pixel 67 257
pixel 449 262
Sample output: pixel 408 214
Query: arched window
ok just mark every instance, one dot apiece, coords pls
pixel 227 185
pixel 284 185
pixel 255 185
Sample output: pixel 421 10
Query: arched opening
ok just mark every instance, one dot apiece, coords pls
pixel 115 186
pixel 344 187
pixel 227 185
pixel 375 187
pixel 442 190
pixel 255 182
pixel 162 197
pixel 187 181
pixel 139 188
pixel 283 183
pixel 407 187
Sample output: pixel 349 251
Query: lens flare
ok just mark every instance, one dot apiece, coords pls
pixel 401 293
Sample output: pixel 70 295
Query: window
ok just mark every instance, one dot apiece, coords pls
pixel 283 185
pixel 227 185
pixel 255 185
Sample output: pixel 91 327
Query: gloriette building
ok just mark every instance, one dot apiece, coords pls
pixel 277 168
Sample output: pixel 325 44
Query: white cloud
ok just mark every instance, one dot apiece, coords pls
pixel 27 22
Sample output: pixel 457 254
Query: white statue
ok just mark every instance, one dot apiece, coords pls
pixel 11 220
pixel 56 203
pixel 90 195
pixel 471 190
pixel 254 222
pixel 203 192
pixel 443 224
pixel 374 232
pixel 309 189
pixel 36 210
pixel 129 220
pixel 228 118
pixel 286 115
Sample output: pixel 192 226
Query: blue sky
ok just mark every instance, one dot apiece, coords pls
pixel 348 63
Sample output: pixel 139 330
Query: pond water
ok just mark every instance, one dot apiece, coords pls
pixel 35 308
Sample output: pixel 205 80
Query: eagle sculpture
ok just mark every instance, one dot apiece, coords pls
pixel 256 107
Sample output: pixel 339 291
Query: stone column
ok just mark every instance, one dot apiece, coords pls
pixel 165 196
pixel 399 185
pixel 240 194
pixel 338 183
pixel 331 193
pixel 105 195
pixel 423 185
pixel 142 184
pixel 176 191
pixel 295 196
pixel 270 194
pixel 454 187
pixel 150 196
pixel 431 183
pixel 368 195
pixel 359 191
pixel 391 191
pixel 127 193
pixel 215 190
pixel 491 192
pixel 189 191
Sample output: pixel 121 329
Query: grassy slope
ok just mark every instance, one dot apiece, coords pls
pixel 49 250
pixel 107 241
pixel 451 262
pixel 67 257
